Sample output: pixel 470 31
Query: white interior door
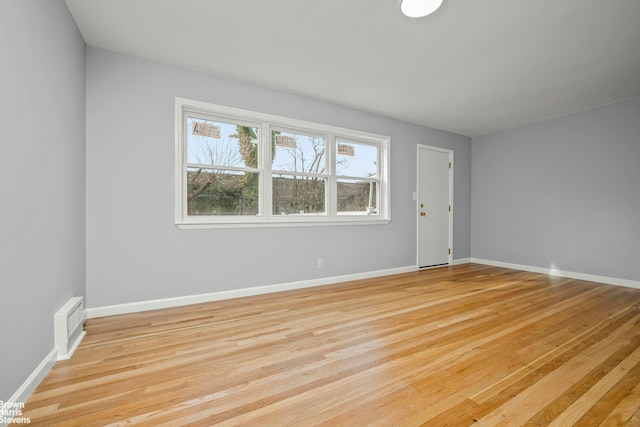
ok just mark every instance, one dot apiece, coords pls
pixel 434 206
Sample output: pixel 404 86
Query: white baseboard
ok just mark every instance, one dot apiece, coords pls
pixel 29 386
pixel 134 307
pixel 555 272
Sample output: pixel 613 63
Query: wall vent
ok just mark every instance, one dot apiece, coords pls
pixel 69 327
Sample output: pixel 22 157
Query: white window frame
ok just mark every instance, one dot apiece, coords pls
pixel 266 123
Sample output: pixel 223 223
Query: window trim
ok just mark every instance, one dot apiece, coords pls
pixel 266 123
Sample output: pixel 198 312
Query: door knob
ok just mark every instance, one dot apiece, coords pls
pixel 422 214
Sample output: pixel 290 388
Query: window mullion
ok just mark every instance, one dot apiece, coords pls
pixel 267 180
pixel 331 195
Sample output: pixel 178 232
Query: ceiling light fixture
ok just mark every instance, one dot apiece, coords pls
pixel 419 8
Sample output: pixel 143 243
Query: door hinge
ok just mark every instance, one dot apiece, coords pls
pixel 449 208
pixel 449 251
pixel 449 165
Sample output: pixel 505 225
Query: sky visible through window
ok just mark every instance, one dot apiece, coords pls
pixel 218 144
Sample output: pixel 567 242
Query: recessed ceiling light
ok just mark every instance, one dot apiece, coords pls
pixel 419 8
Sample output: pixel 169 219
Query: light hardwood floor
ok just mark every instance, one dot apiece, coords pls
pixel 462 345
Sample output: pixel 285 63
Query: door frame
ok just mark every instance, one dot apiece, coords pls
pixel 416 199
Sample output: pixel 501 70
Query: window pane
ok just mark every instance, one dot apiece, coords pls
pixel 221 144
pixel 298 195
pixel 359 160
pixel 295 152
pixel 218 192
pixel 357 197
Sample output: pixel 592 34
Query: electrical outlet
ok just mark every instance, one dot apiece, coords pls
pixel 320 263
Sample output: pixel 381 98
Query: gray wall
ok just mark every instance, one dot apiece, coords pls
pixel 42 239
pixel 134 250
pixel 563 193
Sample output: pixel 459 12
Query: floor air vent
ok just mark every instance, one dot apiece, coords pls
pixel 69 331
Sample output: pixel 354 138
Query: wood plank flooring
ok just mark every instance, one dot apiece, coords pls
pixel 453 346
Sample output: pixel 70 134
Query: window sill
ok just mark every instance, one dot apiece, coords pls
pixel 306 222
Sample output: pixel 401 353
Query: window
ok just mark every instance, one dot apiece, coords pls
pixel 221 167
pixel 240 168
pixel 298 173
pixel 358 178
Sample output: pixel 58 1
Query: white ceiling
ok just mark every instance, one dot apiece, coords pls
pixel 474 67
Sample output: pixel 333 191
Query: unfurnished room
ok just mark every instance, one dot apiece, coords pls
pixel 330 213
